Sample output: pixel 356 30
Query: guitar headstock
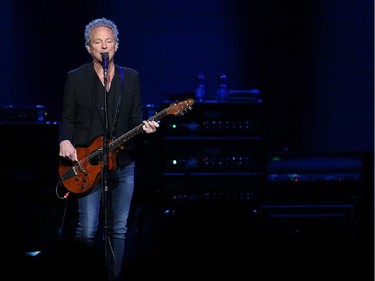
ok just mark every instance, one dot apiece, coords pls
pixel 180 107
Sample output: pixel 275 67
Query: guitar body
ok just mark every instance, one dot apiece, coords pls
pixel 81 176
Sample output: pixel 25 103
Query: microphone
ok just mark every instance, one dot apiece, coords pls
pixel 105 57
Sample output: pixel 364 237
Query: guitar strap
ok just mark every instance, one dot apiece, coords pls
pixel 115 118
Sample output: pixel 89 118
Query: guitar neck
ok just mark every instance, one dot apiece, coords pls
pixel 116 143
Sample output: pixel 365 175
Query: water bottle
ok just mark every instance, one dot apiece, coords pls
pixel 200 91
pixel 222 91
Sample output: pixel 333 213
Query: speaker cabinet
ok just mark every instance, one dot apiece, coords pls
pixel 313 223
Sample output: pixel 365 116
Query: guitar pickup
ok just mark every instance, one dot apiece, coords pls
pixel 82 169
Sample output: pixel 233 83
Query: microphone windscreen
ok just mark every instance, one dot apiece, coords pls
pixel 105 58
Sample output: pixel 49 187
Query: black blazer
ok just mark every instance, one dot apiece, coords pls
pixel 82 118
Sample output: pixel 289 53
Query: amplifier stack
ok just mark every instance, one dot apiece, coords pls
pixel 319 196
pixel 214 152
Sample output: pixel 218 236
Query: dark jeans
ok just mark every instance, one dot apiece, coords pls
pixel 120 193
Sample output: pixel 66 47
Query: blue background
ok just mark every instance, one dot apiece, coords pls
pixel 311 60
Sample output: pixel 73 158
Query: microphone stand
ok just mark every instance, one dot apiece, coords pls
pixel 105 174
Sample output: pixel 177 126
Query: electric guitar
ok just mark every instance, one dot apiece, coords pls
pixel 80 176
